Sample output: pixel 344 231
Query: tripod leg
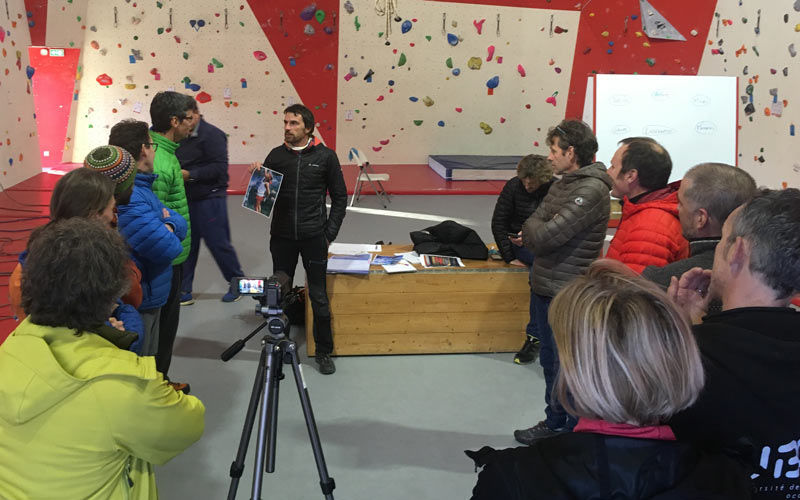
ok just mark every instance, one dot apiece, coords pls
pixel 272 424
pixel 269 387
pixel 326 482
pixel 238 465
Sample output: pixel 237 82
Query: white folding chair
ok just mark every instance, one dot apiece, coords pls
pixel 367 174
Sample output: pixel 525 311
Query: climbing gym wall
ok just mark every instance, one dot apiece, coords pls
pixel 19 146
pixel 452 79
pixel 758 42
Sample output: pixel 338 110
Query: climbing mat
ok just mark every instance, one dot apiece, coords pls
pixel 474 167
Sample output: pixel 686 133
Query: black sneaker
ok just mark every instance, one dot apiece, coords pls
pixel 538 431
pixel 326 366
pixel 529 351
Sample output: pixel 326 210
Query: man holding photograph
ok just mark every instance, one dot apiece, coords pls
pixel 301 225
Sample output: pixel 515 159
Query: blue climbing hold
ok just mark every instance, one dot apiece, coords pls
pixel 413 99
pixel 406 26
pixel 452 39
pixel 493 82
pixel 391 82
pixel 441 123
pixel 30 70
pixel 456 71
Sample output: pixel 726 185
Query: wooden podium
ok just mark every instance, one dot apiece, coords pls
pixel 482 307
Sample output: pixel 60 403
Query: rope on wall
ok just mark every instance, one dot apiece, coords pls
pixel 387 9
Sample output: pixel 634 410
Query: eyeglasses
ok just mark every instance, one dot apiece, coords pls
pixel 562 131
pixel 152 145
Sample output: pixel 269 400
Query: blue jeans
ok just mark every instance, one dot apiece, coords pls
pixel 556 418
pixel 522 254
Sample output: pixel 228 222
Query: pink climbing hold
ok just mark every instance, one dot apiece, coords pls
pixel 551 100
pixel 380 98
pixel 384 142
pixel 521 70
pixel 104 79
pixel 259 55
pixel 203 97
pixel 499 59
pixel 502 120
pixel 459 110
pixel 348 76
pixel 210 68
pixel 376 148
pixel 490 50
pixel 478 25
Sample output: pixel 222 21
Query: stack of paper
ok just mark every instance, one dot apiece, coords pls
pixel 440 261
pixel 352 248
pixel 349 264
pixel 401 267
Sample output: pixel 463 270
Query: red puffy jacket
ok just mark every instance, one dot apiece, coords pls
pixel 649 232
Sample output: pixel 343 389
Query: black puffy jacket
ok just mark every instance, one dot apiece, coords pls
pixel 514 205
pixel 308 176
pixel 584 466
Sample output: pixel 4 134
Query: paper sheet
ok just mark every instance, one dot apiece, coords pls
pixel 352 248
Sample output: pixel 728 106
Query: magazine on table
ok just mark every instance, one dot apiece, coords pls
pixel 440 261
pixel 262 191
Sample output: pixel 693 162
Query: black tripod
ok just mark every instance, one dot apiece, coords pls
pixel 276 349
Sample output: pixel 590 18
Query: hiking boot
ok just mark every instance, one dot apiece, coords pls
pixel 529 351
pixel 187 299
pixel 230 297
pixel 538 431
pixel 326 366
pixel 180 387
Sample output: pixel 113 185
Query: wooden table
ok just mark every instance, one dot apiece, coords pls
pixel 482 307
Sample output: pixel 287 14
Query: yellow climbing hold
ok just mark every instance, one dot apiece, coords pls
pixel 605 33
pixel 130 86
pixel 486 128
pixel 646 45
pixel 474 63
pixel 638 34
pixel 428 101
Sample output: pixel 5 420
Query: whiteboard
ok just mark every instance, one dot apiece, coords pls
pixel 693 117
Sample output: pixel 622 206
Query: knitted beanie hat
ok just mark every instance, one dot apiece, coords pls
pixel 115 163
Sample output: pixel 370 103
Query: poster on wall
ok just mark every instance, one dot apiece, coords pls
pixel 262 191
pixel 693 117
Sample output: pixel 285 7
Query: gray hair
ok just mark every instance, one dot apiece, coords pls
pixel 771 223
pixel 719 189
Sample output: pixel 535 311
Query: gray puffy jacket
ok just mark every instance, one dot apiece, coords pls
pixel 567 230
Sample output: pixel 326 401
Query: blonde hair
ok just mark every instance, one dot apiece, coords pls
pixel 627 353
pixel 536 167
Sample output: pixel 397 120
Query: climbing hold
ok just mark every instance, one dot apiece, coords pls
pixel 357 24
pixel 368 76
pixel 492 84
pixel 320 15
pixel 380 98
pixel 417 122
pixel 486 128
pixel 413 99
pixel 428 101
pixel 402 59
pixel 348 6
pixel 216 63
pixel 308 12
pixel 521 70
pixel 428 38
pixel 502 120
pixel 93 44
pixel 459 110
pixel 440 123
pixel 452 39
pixel 29 70
pixel 384 142
pixel 792 51
pixel 558 30
pixel 104 79
pixel 551 100
pixel 605 33
pixel 490 53
pixel 650 61
pixel 456 71
pixel 693 32
pixel 203 97
pixel 449 62
pixel 478 25
pixel 474 63
pixel 186 55
pixel 406 26
pixel 308 30
pixel 259 55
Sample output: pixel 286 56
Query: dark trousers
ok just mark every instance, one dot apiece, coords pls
pixel 557 418
pixel 314 252
pixel 210 223
pixel 168 328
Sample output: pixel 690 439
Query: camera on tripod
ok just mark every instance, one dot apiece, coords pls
pixel 269 294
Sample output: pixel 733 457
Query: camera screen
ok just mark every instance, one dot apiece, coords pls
pixel 251 286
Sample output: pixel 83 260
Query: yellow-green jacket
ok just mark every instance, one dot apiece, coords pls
pixel 82 418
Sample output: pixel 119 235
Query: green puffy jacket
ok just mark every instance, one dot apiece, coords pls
pixel 169 187
pixel 82 418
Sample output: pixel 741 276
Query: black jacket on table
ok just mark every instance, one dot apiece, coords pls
pixel 308 176
pixel 583 466
pixel 514 205
pixel 751 358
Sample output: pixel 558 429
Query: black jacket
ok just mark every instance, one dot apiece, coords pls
pixel 450 238
pixel 580 465
pixel 701 254
pixel 205 155
pixel 514 206
pixel 308 175
pixel 751 358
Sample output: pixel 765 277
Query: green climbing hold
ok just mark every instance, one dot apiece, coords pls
pixel 186 55
pixel 650 61
pixel 417 122
pixel 79 18
pixel 159 4
pixel 358 24
pixel 216 63
pixel 402 60
pixel 160 30
pixel 449 62
pixel 320 15
pixel 380 34
pixel 428 38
